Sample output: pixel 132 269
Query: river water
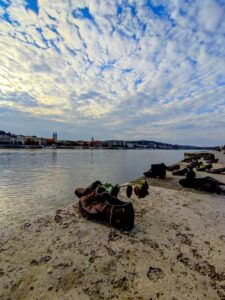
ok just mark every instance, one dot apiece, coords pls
pixel 33 182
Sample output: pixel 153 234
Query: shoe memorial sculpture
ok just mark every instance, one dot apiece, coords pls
pixel 173 167
pixel 102 206
pixel 181 172
pixel 80 192
pixel 206 184
pixel 156 171
pixel 190 174
pixel 194 164
pixel 212 161
pixel 216 171
pixel 204 167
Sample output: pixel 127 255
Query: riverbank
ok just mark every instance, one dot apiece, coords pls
pixel 176 251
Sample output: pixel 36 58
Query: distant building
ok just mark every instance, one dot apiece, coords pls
pixel 50 142
pixel 152 145
pixel 54 136
pixel 130 145
pixel 31 140
pixel 4 137
pixel 13 139
pixel 115 143
pixel 42 142
pixel 20 139
pixel 66 143
pixel 95 144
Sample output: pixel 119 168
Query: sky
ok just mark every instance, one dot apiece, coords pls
pixel 121 69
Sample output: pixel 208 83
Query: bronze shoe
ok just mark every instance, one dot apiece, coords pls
pixel 80 192
pixel 108 209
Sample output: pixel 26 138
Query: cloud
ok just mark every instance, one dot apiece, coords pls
pixel 128 69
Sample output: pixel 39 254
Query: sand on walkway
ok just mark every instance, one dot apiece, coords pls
pixel 176 251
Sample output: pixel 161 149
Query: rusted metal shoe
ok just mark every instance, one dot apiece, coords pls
pixel 80 192
pixel 107 209
pixel 156 171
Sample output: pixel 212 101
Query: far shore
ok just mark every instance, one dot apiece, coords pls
pixel 175 251
pixel 97 148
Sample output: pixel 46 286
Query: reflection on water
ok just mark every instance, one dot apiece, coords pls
pixel 36 181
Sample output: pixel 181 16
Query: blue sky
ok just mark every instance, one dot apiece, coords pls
pixel 114 69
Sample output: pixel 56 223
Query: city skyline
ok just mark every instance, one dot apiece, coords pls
pixel 12 138
pixel 129 70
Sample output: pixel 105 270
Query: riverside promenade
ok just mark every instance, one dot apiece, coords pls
pixel 176 251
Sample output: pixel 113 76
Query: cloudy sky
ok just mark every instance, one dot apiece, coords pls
pixel 114 69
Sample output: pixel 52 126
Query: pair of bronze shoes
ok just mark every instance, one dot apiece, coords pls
pixel 156 171
pixel 206 184
pixel 96 204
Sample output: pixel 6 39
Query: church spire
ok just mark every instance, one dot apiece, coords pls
pixel 54 136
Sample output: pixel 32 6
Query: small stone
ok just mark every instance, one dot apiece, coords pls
pixel 58 219
pixel 45 259
pixel 34 262
pixel 50 270
pixel 91 259
pixel 50 288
